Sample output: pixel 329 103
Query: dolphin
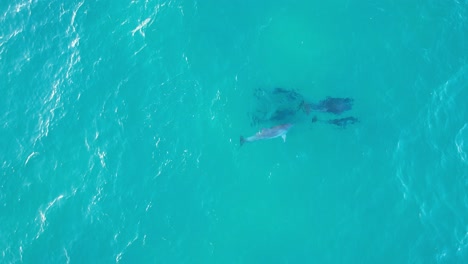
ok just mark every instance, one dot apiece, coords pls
pixel 330 105
pixel 268 133
pixel 341 122
pixel 276 105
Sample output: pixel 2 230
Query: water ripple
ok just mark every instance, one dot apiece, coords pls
pixel 42 218
pixel 460 138
pixel 431 158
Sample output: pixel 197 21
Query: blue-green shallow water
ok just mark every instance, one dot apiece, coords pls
pixel 120 125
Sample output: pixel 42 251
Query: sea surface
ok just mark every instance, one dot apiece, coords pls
pixel 120 124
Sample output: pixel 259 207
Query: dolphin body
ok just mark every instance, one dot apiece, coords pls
pixel 330 105
pixel 341 122
pixel 279 106
pixel 268 133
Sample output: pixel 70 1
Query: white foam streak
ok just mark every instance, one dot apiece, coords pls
pixel 138 51
pixel 72 22
pixel 74 57
pixel 43 215
pixel 21 253
pixel 165 164
pixel 19 7
pixel 66 255
pixel 30 156
pixel 460 138
pixel 140 27
pixel 95 199
pixel 51 104
pixel 102 156
pixel 129 243
pixel 463 243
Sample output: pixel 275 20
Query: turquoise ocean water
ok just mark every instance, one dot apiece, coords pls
pixel 120 125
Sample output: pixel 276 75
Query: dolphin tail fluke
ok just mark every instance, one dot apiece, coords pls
pixel 242 140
